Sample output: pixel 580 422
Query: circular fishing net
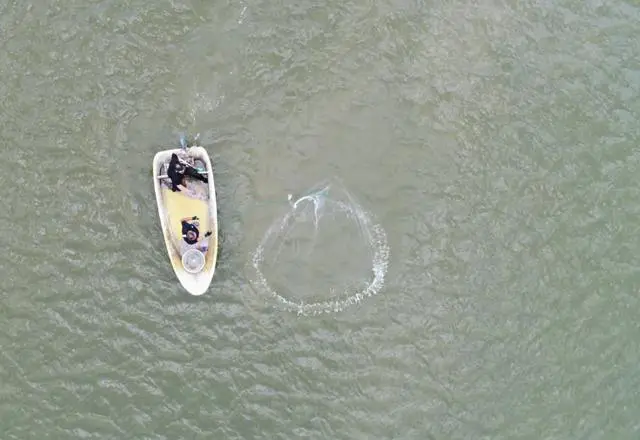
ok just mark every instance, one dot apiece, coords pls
pixel 324 254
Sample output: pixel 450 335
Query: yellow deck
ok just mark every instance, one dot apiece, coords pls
pixel 178 206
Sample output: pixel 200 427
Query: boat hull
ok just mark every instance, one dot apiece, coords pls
pixel 198 200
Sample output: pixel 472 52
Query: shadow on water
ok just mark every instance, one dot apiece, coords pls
pixel 225 209
pixel 229 211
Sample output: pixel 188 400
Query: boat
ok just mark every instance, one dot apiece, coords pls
pixel 194 265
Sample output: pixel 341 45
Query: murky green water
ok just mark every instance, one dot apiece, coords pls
pixel 496 142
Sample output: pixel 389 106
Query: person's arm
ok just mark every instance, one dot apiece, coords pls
pixel 202 237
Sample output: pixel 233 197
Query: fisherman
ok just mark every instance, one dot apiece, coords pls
pixel 190 232
pixel 178 170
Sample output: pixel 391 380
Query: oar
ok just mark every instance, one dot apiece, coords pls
pixel 164 176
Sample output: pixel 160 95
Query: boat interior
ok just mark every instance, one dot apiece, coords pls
pixel 186 203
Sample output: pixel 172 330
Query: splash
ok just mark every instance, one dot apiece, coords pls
pixel 325 254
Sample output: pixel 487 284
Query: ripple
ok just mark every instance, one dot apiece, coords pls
pixel 325 208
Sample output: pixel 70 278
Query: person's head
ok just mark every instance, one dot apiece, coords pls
pixel 191 235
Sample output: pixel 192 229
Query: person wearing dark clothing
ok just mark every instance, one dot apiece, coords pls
pixel 190 232
pixel 178 170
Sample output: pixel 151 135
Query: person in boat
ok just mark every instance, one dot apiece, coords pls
pixel 190 232
pixel 178 170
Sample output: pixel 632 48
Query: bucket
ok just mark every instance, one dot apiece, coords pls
pixel 193 260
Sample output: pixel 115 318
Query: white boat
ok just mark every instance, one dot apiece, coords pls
pixel 194 265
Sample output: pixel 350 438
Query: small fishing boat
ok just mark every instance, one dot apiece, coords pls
pixel 193 264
